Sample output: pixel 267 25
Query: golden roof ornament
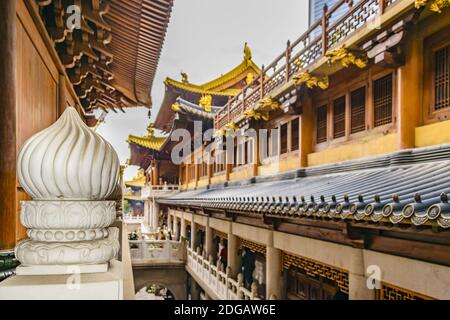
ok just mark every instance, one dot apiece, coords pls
pixel 128 162
pixel 268 103
pixel 176 107
pixel 346 57
pixel 436 5
pixel 151 130
pixel 247 53
pixel 249 78
pixel 140 174
pixel 205 102
pixel 184 77
pixel 311 81
pixel 257 115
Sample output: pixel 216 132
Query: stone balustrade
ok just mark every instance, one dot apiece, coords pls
pixel 158 190
pixel 154 252
pixel 225 287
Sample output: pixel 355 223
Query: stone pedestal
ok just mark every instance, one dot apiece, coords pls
pixel 69 171
pixel 74 286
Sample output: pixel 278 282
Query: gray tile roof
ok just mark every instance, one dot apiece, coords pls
pixel 196 109
pixel 409 187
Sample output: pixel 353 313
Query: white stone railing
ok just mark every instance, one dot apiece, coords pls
pixel 225 287
pixel 156 252
pixel 128 218
pixel 159 190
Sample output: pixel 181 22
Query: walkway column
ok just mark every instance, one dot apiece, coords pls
pixel 193 235
pixel 8 214
pixel 273 273
pixel 155 215
pixel 183 228
pixel 148 212
pixel 176 231
pixel 357 281
pixel 169 220
pixel 195 290
pixel 208 240
pixel 234 260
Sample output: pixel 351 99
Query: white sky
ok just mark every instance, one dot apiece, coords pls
pixel 205 39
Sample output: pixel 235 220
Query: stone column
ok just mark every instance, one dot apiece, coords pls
pixel 155 215
pixel 183 228
pixel 357 281
pixel 147 212
pixel 193 235
pixel 273 273
pixel 176 231
pixel 234 260
pixel 169 220
pixel 208 240
pixel 195 290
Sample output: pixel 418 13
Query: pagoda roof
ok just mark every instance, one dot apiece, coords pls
pixel 138 181
pixel 195 109
pixel 150 141
pixel 199 88
pixel 153 143
pixel 221 89
pixel 133 198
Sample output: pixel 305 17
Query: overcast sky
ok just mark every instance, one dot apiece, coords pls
pixel 205 39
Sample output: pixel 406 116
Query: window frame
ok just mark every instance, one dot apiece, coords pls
pixel 432 45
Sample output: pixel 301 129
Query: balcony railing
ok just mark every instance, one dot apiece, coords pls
pixel 219 282
pixel 153 252
pixel 159 190
pixel 310 47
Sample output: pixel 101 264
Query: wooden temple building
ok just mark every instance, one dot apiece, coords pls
pixel 90 54
pixel 354 187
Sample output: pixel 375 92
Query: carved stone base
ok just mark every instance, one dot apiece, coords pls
pixel 36 253
pixel 91 286
pixel 56 269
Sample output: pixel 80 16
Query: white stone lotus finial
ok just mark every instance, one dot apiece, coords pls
pixel 68 161
pixel 69 170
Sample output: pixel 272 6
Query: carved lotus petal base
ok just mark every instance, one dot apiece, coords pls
pixel 67 214
pixel 31 253
pixel 67 235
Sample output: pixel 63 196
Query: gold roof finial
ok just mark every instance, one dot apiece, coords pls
pixel 249 78
pixel 140 174
pixel 247 53
pixel 150 130
pixel 206 102
pixel 184 77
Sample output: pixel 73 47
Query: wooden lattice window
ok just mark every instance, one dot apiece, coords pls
pixel 295 134
pixel 284 139
pixel 191 171
pixel 382 96
pixel 358 110
pixel 204 168
pixel 322 124
pixel 339 117
pixel 442 79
